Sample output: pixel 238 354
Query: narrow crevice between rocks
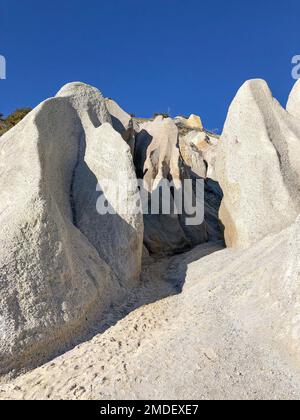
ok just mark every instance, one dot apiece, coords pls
pixel 80 157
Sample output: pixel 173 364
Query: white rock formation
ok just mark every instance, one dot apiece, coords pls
pixel 258 166
pixel 105 165
pixel 206 146
pixel 198 150
pixel 53 281
pixel 88 102
pixel 121 120
pixel 123 123
pixel 157 158
pixel 193 122
pixel 192 156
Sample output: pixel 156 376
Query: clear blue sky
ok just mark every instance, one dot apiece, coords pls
pixel 186 56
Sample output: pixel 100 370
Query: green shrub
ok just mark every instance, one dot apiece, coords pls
pixel 12 120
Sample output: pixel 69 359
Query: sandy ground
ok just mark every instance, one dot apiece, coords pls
pixel 199 327
pixel 123 336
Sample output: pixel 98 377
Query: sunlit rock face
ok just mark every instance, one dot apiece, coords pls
pixel 62 264
pixel 258 166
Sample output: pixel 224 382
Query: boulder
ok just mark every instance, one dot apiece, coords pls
pixel 258 166
pixel 52 281
pixel 62 264
pixel 118 233
pixel 193 122
pixel 105 171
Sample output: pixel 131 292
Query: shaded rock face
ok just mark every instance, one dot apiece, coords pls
pixel 192 155
pixel 198 150
pixel 118 237
pixel 120 118
pixel 56 275
pixel 158 156
pixel 174 150
pixel 258 166
pixel 122 122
